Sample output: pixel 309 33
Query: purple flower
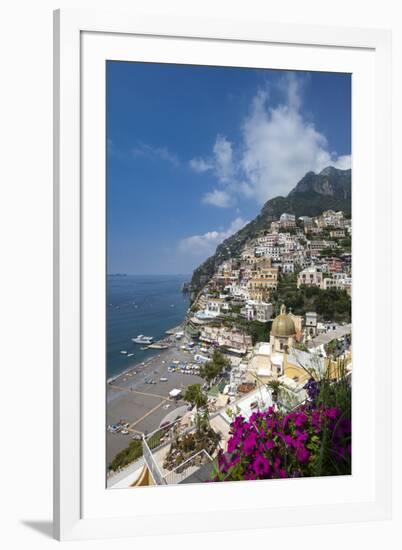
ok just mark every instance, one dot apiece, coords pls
pixel 300 419
pixel 301 436
pixel 316 419
pixel 260 465
pixel 287 439
pixel 332 413
pixel 234 460
pixel 302 454
pixel 249 443
pixel 313 389
pixel 277 463
pixel 233 443
pixel 276 445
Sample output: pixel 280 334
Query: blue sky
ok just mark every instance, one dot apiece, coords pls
pixel 194 152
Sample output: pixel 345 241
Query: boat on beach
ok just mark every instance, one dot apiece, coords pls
pixel 159 345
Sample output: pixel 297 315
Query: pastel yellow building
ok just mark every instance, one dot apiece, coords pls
pixel 262 282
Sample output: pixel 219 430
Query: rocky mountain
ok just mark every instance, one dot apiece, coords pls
pixel 331 182
pixel 314 193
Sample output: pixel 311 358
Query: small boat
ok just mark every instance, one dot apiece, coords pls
pixel 124 352
pixel 141 339
pixel 159 346
pixel 130 354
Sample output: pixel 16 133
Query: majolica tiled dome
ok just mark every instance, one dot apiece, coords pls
pixel 283 325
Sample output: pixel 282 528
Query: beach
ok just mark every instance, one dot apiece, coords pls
pixel 141 405
pixel 152 305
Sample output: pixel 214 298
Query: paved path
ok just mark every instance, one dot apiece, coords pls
pixel 128 390
pixel 147 414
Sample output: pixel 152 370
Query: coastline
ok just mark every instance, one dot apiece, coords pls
pixel 150 305
pixel 143 405
pixel 168 341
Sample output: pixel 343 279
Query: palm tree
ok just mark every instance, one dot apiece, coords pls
pixel 274 385
pixel 196 397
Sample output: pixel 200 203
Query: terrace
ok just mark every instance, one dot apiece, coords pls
pixel 156 447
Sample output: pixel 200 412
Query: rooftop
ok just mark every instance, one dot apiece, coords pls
pixel 327 337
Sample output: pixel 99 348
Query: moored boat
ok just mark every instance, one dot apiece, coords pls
pixel 141 339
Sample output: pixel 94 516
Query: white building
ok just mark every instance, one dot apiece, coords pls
pixel 311 276
pixel 216 306
pixel 288 267
pixel 267 251
pixel 311 323
pixel 270 239
pixel 344 282
pixel 263 312
pixel 257 311
pixel 287 220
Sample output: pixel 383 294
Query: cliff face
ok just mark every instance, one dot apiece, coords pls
pixel 331 182
pixel 314 193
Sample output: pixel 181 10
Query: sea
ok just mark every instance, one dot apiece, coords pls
pixel 140 304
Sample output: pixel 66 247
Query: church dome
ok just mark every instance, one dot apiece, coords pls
pixel 283 325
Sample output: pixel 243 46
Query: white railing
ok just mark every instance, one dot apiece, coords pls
pixel 152 464
pixel 187 468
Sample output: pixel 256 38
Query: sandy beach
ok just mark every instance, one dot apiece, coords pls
pixel 144 406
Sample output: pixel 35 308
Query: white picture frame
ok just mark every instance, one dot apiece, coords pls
pixel 83 508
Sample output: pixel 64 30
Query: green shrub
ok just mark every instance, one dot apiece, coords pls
pixel 126 456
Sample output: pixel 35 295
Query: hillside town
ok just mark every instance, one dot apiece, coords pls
pixel 269 322
pixel 307 252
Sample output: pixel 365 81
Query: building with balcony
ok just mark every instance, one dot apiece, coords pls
pixel 287 221
pixel 262 282
pixel 311 276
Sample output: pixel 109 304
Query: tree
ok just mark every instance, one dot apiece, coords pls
pixel 215 367
pixel 346 243
pixel 330 253
pixel 196 397
pixel 126 456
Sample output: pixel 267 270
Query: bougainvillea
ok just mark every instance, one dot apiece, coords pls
pixel 309 441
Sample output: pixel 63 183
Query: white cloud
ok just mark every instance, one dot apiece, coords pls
pixel 278 146
pixel 219 198
pixel 202 246
pixel 200 165
pixel 343 162
pixel 221 162
pixel 163 153
pixel 224 165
